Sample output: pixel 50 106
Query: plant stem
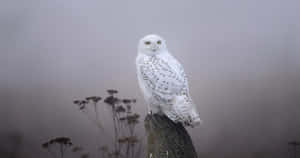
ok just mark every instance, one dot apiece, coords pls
pixel 61 151
pixel 116 131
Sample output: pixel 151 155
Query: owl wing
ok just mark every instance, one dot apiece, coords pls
pixel 162 79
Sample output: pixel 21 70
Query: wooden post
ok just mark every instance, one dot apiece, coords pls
pixel 167 139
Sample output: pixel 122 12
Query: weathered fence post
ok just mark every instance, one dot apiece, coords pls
pixel 167 139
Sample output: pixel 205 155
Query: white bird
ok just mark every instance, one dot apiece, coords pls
pixel 164 83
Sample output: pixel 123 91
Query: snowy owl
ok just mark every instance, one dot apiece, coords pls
pixel 163 82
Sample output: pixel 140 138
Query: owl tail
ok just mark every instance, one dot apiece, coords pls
pixel 185 112
pixel 194 117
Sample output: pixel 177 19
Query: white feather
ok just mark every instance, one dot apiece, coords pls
pixel 163 82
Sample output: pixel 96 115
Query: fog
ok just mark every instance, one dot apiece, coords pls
pixel 241 58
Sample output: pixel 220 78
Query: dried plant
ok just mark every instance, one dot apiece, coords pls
pixel 125 142
pixel 59 144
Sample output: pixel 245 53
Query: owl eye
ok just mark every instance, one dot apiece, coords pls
pixel 158 42
pixel 147 42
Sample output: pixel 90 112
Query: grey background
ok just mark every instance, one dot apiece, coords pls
pixel 242 59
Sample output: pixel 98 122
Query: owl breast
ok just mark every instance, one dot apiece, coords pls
pixel 159 78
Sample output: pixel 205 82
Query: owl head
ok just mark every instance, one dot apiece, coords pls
pixel 152 45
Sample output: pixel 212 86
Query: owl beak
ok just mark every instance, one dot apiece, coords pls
pixel 154 49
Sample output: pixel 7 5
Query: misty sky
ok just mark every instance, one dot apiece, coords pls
pixel 241 57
